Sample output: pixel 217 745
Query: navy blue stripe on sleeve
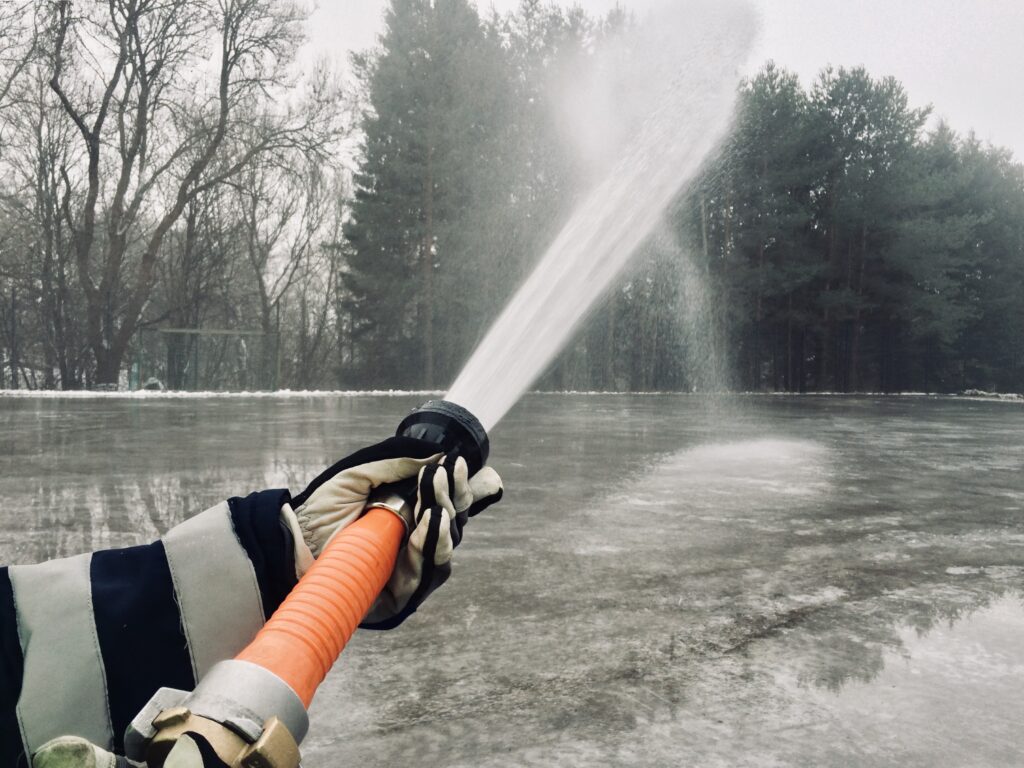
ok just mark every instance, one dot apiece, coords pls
pixel 257 522
pixel 139 630
pixel 11 670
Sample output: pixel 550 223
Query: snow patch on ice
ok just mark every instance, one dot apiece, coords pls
pixel 996 571
pixel 790 470
pixel 143 394
pixel 823 596
pixel 140 394
pixel 764 452
pixel 978 394
pixel 590 550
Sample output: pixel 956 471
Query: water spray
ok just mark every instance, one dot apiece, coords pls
pixel 251 710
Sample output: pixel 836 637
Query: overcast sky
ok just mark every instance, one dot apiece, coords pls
pixel 965 57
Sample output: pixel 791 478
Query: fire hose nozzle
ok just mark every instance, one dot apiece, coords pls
pixel 452 428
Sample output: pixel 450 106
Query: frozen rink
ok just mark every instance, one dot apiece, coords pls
pixel 671 580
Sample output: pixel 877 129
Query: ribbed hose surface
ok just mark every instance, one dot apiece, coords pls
pixel 308 631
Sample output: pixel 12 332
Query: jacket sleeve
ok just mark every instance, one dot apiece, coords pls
pixel 87 640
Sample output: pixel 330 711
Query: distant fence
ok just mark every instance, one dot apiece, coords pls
pixel 205 359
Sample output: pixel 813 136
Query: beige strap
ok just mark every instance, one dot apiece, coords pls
pixel 65 686
pixel 216 587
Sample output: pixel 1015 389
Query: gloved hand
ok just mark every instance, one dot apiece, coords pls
pixel 446 498
pixel 337 497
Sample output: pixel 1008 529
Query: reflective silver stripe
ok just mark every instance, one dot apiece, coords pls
pixel 216 587
pixel 65 685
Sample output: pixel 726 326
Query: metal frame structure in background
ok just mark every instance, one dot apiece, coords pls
pixel 178 359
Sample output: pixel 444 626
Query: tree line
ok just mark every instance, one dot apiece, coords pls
pixel 171 166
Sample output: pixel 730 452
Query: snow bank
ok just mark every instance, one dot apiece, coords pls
pixel 978 394
pixel 143 394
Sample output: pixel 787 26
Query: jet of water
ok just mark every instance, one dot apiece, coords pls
pixel 615 218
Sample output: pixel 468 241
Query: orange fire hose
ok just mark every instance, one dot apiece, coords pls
pixel 252 710
pixel 308 631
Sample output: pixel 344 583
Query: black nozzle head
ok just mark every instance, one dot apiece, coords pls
pixel 452 427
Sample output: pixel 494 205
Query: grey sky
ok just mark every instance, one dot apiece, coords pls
pixel 965 57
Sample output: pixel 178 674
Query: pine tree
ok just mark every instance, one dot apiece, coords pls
pixel 425 129
pixel 867 133
pixel 772 167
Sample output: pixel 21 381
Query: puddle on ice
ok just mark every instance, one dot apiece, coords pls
pixel 953 695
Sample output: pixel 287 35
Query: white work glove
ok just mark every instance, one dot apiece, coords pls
pixel 446 497
pixel 337 497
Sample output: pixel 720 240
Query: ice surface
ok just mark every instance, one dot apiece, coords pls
pixel 787 581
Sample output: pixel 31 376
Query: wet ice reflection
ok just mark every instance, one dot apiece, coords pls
pixel 959 679
pixel 670 580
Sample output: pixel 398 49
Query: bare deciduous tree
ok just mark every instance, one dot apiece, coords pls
pixel 283 209
pixel 161 122
pixel 18 46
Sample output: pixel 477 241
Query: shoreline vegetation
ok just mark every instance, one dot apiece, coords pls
pixel 297 230
pixel 141 394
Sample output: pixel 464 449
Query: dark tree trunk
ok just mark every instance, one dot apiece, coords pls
pixel 854 360
pixel 801 362
pixel 789 344
pixel 609 351
pixel 13 337
pixel 427 267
